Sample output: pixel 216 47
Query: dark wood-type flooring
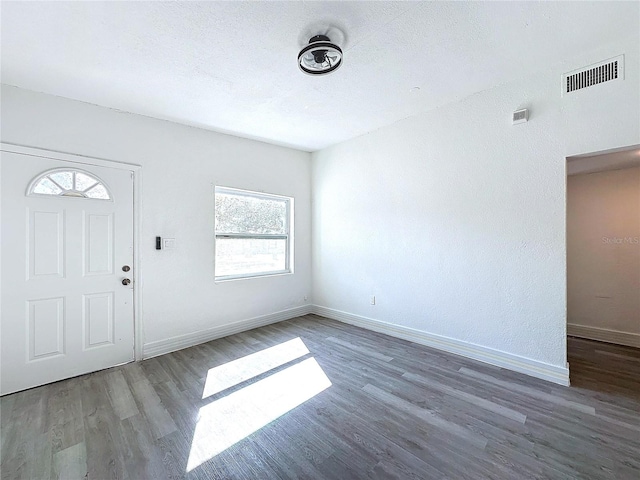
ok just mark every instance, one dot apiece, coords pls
pixel 358 405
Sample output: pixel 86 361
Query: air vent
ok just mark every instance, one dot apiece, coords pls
pixel 607 71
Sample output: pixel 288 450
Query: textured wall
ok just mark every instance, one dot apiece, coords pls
pixel 181 165
pixel 455 219
pixel 603 250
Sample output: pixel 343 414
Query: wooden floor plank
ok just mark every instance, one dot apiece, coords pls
pixel 472 399
pixel 394 409
pixel 120 395
pixel 70 462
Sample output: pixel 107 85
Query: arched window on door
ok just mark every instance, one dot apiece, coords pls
pixel 69 183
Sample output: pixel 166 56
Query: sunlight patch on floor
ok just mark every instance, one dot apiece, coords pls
pixel 243 369
pixel 226 421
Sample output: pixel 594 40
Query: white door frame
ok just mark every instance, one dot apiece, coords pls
pixel 136 173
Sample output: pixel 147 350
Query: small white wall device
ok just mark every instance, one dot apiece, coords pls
pixel 520 116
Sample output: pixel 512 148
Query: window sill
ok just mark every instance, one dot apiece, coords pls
pixel 231 278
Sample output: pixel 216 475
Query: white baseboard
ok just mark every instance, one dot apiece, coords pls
pixel 604 335
pixel 160 347
pixel 534 368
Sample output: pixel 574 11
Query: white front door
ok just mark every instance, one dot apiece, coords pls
pixel 67 279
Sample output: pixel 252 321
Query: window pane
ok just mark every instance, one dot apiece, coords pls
pixel 64 179
pixel 84 181
pixel 69 183
pixel 243 256
pixel 98 192
pixel 243 214
pixel 46 187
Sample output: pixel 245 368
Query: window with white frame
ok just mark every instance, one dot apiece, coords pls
pixel 62 182
pixel 253 234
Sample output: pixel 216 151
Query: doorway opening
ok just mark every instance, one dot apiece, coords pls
pixel 603 262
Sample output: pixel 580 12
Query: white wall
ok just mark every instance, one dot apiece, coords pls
pixel 455 219
pixel 603 250
pixel 180 166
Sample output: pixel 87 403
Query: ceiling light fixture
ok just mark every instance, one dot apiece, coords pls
pixel 320 56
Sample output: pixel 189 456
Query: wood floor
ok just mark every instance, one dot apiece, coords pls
pixel 358 405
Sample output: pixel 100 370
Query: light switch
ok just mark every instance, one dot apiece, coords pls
pixel 168 243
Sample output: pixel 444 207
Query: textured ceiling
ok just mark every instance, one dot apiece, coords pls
pixel 231 66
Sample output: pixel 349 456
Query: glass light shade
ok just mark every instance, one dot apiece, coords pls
pixel 320 58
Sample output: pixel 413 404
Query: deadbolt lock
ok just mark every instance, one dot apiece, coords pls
pixel 126 268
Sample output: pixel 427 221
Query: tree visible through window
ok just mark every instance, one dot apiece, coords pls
pixel 252 233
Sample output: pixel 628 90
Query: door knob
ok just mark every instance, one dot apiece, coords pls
pixel 126 281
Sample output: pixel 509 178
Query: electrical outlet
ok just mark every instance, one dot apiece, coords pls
pixel 305 298
pixel 373 299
